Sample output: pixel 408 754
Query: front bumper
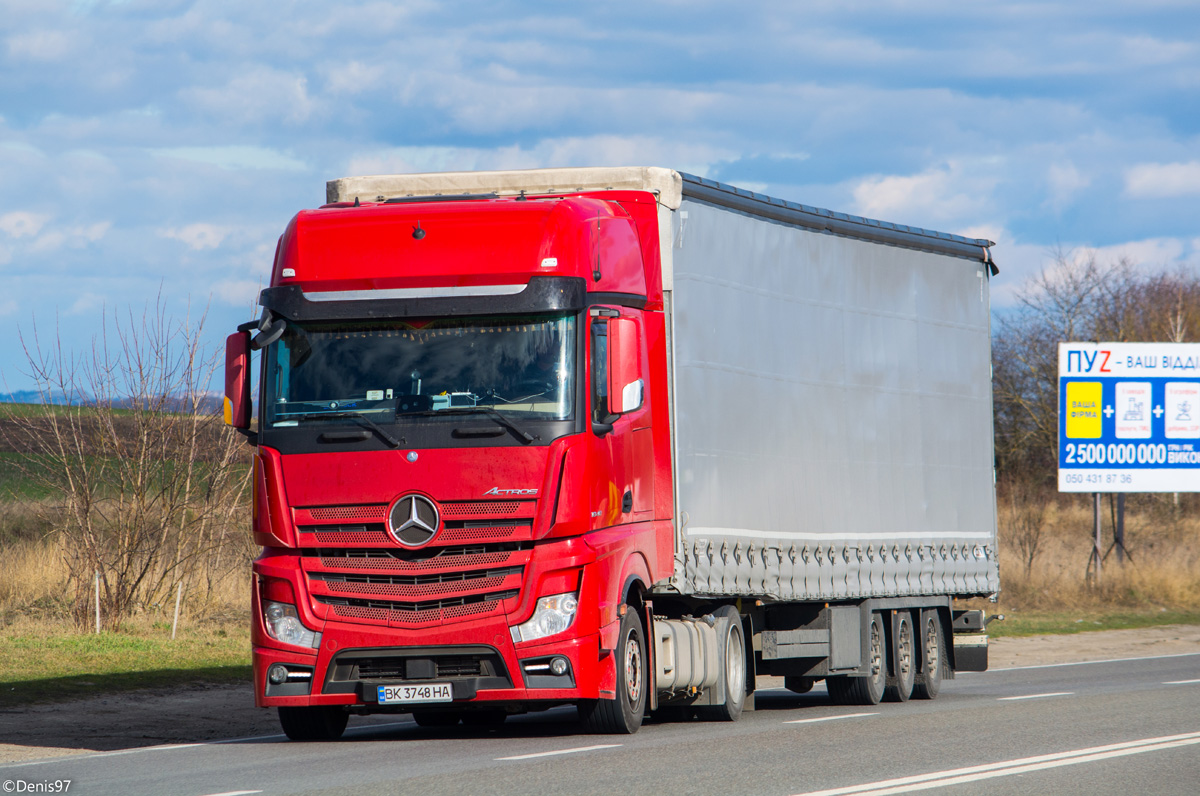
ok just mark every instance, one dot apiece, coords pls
pixel 353 661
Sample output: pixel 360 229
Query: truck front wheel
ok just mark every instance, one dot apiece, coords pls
pixel 324 723
pixel 623 715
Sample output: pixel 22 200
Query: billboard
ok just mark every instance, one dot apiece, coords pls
pixel 1129 417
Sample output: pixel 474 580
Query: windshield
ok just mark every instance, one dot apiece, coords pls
pixel 522 366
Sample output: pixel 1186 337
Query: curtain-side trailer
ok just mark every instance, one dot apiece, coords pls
pixel 622 438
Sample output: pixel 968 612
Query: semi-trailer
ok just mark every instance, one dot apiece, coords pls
pixel 622 438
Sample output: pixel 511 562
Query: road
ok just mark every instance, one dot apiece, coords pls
pixel 1130 726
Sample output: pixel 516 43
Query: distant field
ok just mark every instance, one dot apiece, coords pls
pixel 1036 623
pixel 52 662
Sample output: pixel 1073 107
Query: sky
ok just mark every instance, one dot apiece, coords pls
pixel 158 147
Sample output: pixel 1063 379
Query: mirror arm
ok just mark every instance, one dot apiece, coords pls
pixel 600 429
pixel 251 436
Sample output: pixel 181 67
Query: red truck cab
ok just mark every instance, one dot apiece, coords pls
pixel 462 484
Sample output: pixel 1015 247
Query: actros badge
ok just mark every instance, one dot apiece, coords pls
pixel 413 520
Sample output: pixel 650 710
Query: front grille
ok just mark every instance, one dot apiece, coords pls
pixel 358 573
pixel 369 512
pixel 428 605
pixel 394 668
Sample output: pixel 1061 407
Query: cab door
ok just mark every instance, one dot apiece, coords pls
pixel 622 460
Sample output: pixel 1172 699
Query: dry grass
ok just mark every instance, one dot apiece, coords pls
pixel 1162 573
pixel 34 591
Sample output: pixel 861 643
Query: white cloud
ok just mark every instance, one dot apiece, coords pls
pixel 85 304
pixel 8 307
pixel 198 236
pixel 1151 253
pixel 597 150
pixel 22 223
pixel 261 94
pixel 1163 180
pixel 355 78
pixel 40 45
pixel 238 292
pixel 1063 182
pixel 942 195
pixel 75 237
pixel 234 157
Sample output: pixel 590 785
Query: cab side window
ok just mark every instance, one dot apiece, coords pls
pixel 600 413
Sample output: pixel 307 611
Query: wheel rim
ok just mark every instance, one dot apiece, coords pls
pixel 735 664
pixel 933 662
pixel 904 666
pixel 633 667
pixel 876 650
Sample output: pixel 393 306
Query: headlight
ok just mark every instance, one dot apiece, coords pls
pixel 283 624
pixel 553 614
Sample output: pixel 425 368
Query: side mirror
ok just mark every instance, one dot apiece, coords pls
pixel 625 386
pixel 237 380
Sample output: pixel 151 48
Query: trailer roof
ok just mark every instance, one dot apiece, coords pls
pixel 669 186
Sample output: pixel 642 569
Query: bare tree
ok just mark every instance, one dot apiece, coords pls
pixel 148 480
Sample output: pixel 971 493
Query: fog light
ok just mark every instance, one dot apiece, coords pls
pixel 558 666
pixel 277 674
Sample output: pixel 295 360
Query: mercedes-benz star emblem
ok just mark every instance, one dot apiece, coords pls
pixel 413 520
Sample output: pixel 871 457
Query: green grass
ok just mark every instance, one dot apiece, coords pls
pixel 1037 623
pixel 14 483
pixel 47 666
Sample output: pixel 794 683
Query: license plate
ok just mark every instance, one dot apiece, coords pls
pixel 426 692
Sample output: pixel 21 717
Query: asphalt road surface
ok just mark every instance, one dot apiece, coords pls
pixel 1117 727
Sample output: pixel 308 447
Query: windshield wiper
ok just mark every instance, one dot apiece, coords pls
pixel 388 438
pixel 503 420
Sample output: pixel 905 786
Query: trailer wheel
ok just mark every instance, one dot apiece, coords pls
pixel 436 718
pixel 933 657
pixel 868 689
pixel 322 723
pixel 904 659
pixel 623 715
pixel 731 651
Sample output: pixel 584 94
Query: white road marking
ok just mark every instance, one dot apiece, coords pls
pixel 831 718
pixel 69 758
pixel 958 776
pixel 1036 696
pixel 563 751
pixel 1084 663
pixel 1181 682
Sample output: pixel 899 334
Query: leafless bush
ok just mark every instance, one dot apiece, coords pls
pixel 1023 520
pixel 146 482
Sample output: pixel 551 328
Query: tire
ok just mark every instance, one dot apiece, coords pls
pixel 904 659
pixel 797 684
pixel 436 718
pixel 867 689
pixel 931 647
pixel 323 723
pixel 623 715
pixel 487 717
pixel 731 652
